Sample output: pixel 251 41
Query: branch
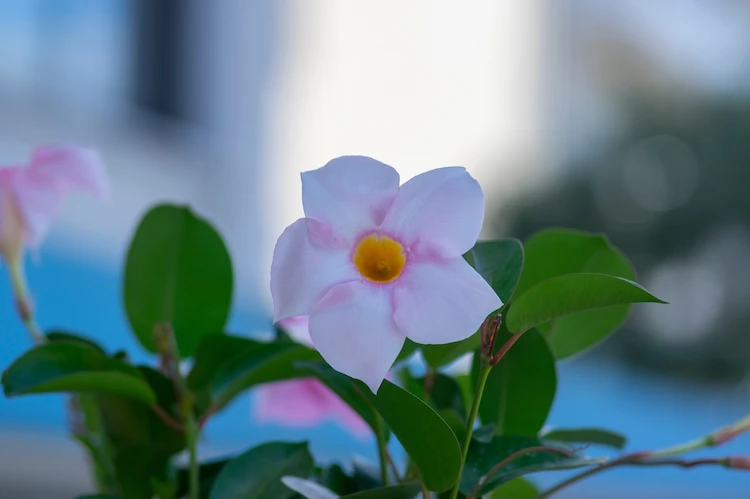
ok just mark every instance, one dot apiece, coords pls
pixel 169 420
pixel 505 462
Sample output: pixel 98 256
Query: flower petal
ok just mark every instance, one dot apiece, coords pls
pixel 353 329
pixel 442 302
pixel 302 273
pixel 350 193
pixel 439 212
pixel 39 201
pixel 297 328
pixel 70 168
pixel 40 189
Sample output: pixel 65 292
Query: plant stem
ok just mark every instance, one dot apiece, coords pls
pixel 169 420
pixel 656 458
pixel 192 432
pixel 505 462
pixel 382 449
pixel 394 468
pixel 23 303
pixel 481 381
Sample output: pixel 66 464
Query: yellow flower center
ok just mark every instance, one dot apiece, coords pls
pixel 379 258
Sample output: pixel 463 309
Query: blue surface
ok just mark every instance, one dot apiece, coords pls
pixel 653 413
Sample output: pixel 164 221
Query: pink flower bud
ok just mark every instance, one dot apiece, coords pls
pixel 738 463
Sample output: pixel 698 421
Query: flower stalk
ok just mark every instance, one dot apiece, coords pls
pixel 169 359
pixel 24 304
pixel 489 332
pixel 664 457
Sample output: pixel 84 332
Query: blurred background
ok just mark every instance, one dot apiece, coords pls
pixel 630 118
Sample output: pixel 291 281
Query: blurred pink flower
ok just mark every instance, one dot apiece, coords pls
pixel 374 263
pixel 31 196
pixel 304 402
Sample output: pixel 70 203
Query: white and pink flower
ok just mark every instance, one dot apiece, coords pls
pixel 31 196
pixel 373 263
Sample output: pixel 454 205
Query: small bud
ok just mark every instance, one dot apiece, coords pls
pixel 490 329
pixel 738 463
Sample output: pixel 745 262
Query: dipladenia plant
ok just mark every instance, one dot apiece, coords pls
pixel 375 272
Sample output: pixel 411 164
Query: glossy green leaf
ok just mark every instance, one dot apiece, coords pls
pixel 257 473
pixel 127 422
pixel 427 439
pixel 500 263
pixel 401 491
pixel 138 466
pixel 554 252
pixel 73 367
pixel 366 474
pixel 456 422
pixel 213 353
pixel 335 479
pixel 55 336
pixel 569 294
pixel 588 436
pixel 352 392
pixel 520 389
pixel 482 458
pixel 445 394
pixel 269 362
pixel 178 271
pixel 515 489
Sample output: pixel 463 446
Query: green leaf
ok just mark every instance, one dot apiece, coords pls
pixel 554 252
pixel 568 294
pixel 515 489
pixel 401 491
pixel 588 436
pixel 427 439
pixel 482 458
pixel 438 356
pixel 338 481
pixel 178 271
pixel 308 488
pixel 366 474
pixel 353 393
pixel 499 262
pixel 127 422
pixel 73 367
pixel 213 353
pixel 456 422
pixel 520 389
pixel 55 336
pixel 268 362
pixel 445 394
pixel 257 473
pixel 136 468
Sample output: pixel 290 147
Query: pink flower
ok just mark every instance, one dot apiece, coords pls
pixel 304 402
pixel 374 263
pixel 31 197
